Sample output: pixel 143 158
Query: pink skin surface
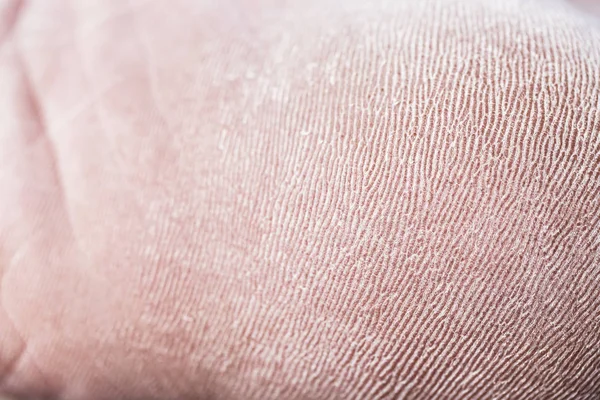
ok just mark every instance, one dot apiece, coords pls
pixel 591 6
pixel 299 199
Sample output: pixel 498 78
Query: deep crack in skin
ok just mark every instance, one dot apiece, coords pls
pixel 299 199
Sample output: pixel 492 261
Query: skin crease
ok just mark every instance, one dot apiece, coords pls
pixel 299 200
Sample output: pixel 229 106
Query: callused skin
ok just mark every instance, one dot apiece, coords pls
pixel 299 200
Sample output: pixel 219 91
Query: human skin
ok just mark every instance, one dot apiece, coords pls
pixel 591 6
pixel 303 199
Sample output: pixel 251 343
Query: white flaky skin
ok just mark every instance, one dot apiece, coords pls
pixel 299 199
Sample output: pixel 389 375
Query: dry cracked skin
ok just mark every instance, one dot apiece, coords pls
pixel 299 199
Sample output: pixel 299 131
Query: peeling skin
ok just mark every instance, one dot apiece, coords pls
pixel 313 199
